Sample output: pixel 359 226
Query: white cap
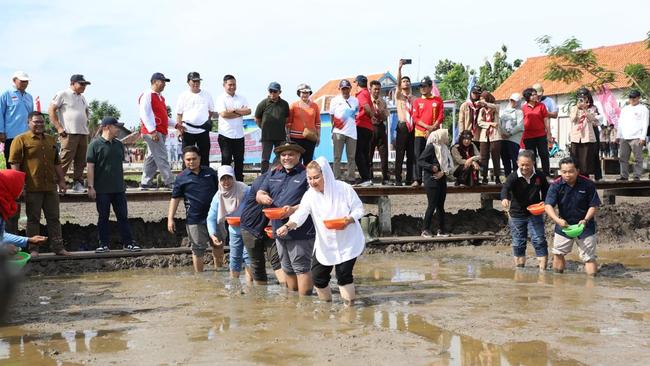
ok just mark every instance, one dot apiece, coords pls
pixel 539 88
pixel 20 75
pixel 225 170
pixel 515 96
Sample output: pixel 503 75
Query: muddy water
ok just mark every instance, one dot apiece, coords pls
pixel 438 308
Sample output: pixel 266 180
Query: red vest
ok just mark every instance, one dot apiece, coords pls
pixel 159 109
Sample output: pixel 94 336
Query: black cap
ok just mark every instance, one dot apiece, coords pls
pixel 111 121
pixel 289 145
pixel 634 93
pixel 275 86
pixel 194 76
pixel 582 92
pixel 426 81
pixel 158 76
pixel 477 89
pixel 360 79
pixel 344 84
pixel 78 78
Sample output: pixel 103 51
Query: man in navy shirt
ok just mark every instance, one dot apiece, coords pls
pixel 577 201
pixel 253 223
pixel 196 185
pixel 284 187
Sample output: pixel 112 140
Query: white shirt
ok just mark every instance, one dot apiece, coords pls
pixel 195 108
pixel 72 111
pixel 345 110
pixel 232 128
pixel 336 201
pixel 146 113
pixel 633 122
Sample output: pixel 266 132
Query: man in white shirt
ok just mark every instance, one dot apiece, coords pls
pixel 231 108
pixel 343 111
pixel 193 111
pixel 631 132
pixel 69 114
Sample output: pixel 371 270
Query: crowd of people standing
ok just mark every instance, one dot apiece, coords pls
pixel 307 190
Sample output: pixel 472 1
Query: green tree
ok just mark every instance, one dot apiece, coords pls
pixel 452 79
pixel 570 62
pixel 493 74
pixel 99 110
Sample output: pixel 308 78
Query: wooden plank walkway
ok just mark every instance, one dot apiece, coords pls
pixel 136 194
pixel 87 255
pixel 420 239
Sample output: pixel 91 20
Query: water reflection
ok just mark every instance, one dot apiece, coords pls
pixel 463 350
pixel 40 349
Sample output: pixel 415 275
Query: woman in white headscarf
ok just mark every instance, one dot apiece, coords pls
pixel 436 163
pixel 327 199
pixel 227 202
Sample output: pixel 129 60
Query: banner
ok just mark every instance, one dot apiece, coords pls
pixel 611 110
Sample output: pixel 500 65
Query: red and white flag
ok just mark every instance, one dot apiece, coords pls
pixel 37 104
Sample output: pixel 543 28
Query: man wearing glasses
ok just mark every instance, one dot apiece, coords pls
pixel 271 116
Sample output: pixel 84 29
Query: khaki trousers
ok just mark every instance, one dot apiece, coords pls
pixel 73 148
pixel 339 140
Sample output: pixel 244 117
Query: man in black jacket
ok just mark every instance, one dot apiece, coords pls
pixel 523 188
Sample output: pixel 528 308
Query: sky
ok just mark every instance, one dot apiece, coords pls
pixel 118 44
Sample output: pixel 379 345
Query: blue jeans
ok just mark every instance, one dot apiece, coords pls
pixel 520 227
pixel 104 202
pixel 238 253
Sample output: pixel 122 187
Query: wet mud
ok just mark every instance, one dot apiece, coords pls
pixel 454 306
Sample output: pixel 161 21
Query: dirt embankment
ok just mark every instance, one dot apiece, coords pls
pixel 622 225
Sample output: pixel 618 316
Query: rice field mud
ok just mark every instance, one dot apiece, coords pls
pixel 419 304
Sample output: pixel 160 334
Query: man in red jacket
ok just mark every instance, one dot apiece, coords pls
pixel 154 123
pixel 428 115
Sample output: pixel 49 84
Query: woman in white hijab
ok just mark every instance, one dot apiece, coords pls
pixel 227 202
pixel 327 199
pixel 436 163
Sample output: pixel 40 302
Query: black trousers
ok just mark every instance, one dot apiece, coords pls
pixel 598 171
pixel 539 145
pixel 6 152
pixel 379 141
pixel 233 150
pixel 258 249
pixel 509 154
pixel 267 148
pixel 364 136
pixel 321 273
pixel 436 196
pixel 309 147
pixel 404 145
pixel 200 140
pixel 419 145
